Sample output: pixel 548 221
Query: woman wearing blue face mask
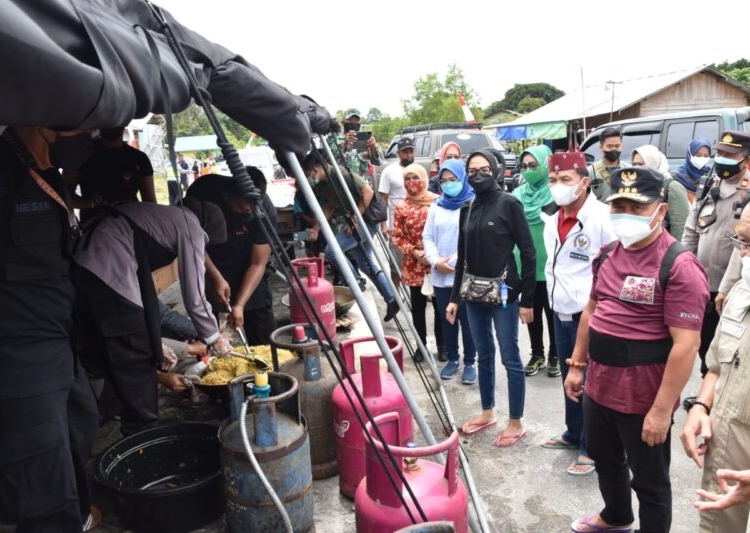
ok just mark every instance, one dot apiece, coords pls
pixel 440 238
pixel 697 164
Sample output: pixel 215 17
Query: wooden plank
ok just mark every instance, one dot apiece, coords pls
pixel 165 276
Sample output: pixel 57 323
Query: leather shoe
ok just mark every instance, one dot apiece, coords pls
pixel 442 355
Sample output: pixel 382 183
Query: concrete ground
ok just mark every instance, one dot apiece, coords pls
pixel 524 488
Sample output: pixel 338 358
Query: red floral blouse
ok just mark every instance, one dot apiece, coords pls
pixel 408 222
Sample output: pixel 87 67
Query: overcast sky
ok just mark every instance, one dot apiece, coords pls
pixel 369 53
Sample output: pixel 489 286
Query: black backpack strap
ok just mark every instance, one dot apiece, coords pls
pixel 605 252
pixel 675 249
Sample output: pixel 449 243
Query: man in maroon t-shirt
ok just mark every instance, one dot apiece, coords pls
pixel 641 332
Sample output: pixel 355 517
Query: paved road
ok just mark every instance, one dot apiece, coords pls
pixel 523 488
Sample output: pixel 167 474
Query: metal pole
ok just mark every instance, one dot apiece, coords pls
pixel 374 324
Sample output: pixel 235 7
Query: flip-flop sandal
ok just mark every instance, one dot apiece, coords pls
pixel 510 439
pixel 559 443
pixel 590 467
pixel 590 526
pixel 477 427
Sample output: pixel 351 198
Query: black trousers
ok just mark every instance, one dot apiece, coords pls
pixel 117 348
pixel 419 318
pixel 45 442
pixel 614 442
pixel 259 324
pixel 708 329
pixel 536 328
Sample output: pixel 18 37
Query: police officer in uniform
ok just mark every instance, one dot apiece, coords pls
pixel 237 271
pixel 48 415
pixel 720 415
pixel 711 218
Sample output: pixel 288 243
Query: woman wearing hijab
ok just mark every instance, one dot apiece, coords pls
pixel 409 218
pixel 489 228
pixel 676 196
pixel 697 165
pixel 537 199
pixel 440 237
pixel 449 150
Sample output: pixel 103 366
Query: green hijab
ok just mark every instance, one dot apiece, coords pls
pixel 535 193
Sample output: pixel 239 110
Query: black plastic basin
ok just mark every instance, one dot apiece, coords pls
pixel 166 478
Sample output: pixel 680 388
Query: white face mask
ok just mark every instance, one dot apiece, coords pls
pixel 746 270
pixel 565 194
pixel 699 162
pixel 631 229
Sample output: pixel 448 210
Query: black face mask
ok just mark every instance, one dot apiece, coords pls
pixel 71 152
pixel 613 156
pixel 482 184
pixel 111 134
pixel 406 162
pixel 352 126
pixel 724 171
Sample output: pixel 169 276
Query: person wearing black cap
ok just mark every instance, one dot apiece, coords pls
pixel 358 160
pixel 711 219
pixel 237 274
pixel 391 187
pixel 120 317
pixel 637 338
pixel 489 228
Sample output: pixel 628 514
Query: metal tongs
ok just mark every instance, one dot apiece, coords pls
pixel 259 363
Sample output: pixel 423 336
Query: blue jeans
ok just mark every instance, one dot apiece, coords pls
pixel 367 263
pixel 505 321
pixel 565 339
pixel 450 331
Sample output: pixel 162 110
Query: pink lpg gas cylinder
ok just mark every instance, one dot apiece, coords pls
pixel 318 289
pixel 438 489
pixel 381 394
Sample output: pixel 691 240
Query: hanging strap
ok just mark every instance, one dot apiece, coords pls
pixel 36 174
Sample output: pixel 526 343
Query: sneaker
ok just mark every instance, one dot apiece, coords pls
pixel 391 310
pixel 450 370
pixel 553 367
pixel 469 376
pixel 536 363
pixel 442 355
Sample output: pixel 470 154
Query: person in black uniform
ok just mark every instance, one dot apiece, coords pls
pixel 48 416
pixel 236 271
pixel 116 173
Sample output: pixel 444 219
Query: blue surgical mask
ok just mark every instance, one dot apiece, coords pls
pixel 451 188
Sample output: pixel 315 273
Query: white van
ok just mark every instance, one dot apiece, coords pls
pixel 261 157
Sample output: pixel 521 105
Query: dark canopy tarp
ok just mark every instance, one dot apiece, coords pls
pixel 90 64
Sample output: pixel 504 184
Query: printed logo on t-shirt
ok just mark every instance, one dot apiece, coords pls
pixel 638 290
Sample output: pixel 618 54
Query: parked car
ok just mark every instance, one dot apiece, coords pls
pixel 671 133
pixel 429 138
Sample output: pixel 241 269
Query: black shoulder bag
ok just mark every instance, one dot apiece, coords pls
pixel 477 289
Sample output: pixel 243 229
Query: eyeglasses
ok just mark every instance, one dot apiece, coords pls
pixel 452 156
pixel 484 171
pixel 739 244
pixel 447 180
pixel 530 166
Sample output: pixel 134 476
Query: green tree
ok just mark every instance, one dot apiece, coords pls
pixel 739 70
pixel 513 96
pixel 529 104
pixel 375 115
pixel 193 121
pixel 435 100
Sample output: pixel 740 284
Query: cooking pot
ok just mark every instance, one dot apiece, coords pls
pixel 165 479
